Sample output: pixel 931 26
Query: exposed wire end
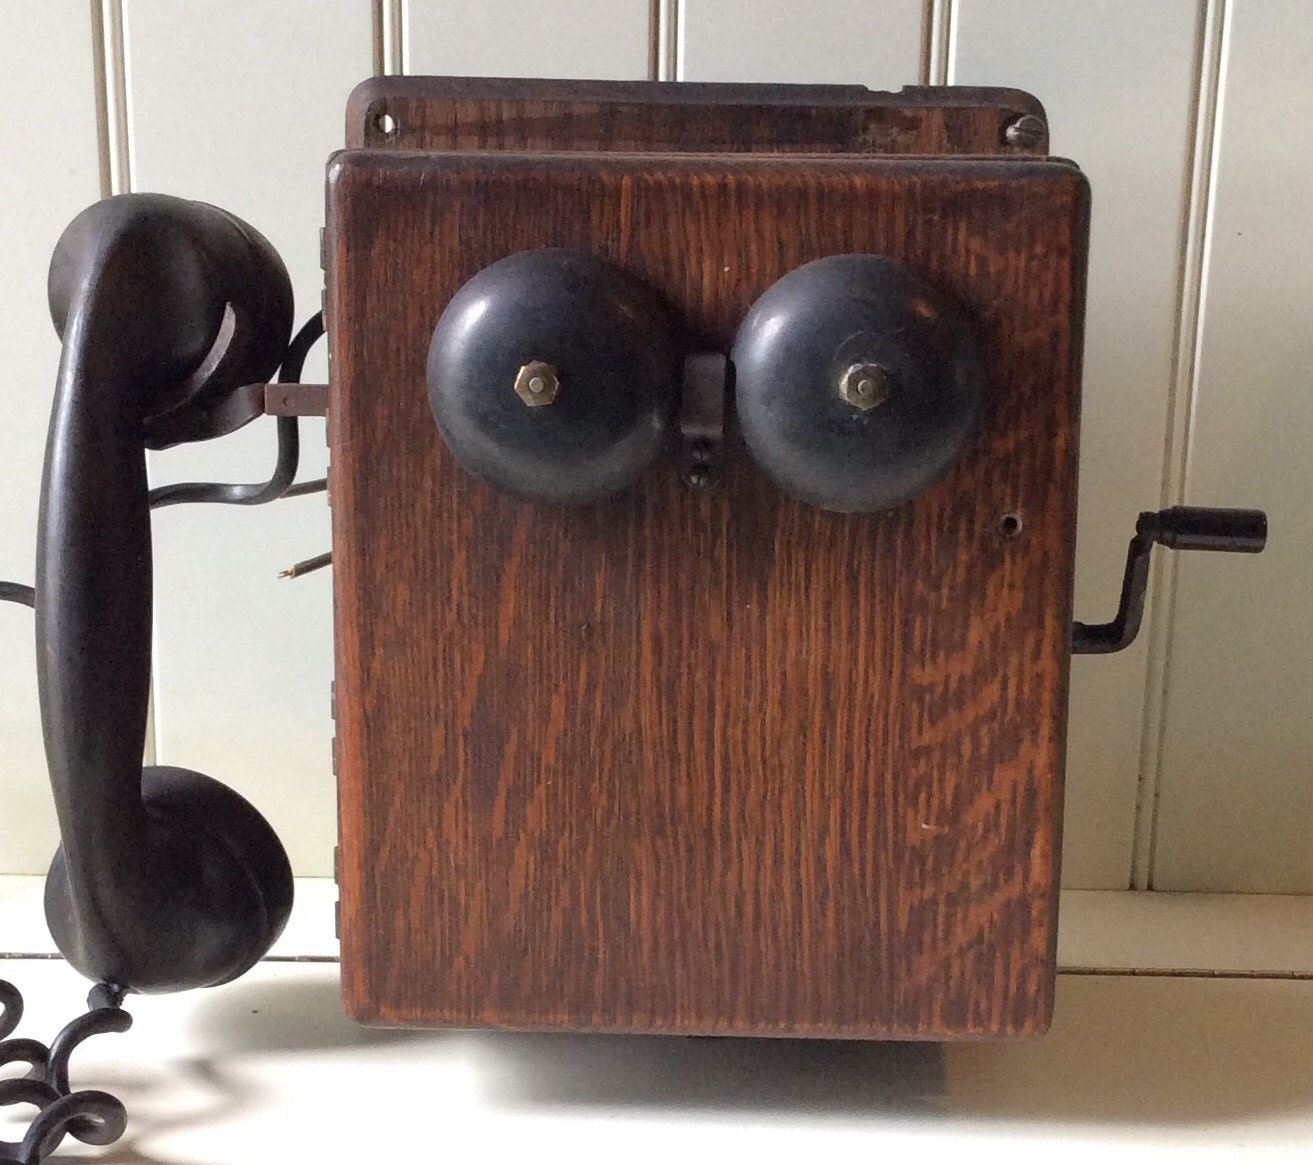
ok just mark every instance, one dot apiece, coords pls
pixel 308 566
pixel 318 485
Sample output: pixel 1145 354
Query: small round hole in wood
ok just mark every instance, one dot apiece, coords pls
pixel 1009 525
pixel 385 123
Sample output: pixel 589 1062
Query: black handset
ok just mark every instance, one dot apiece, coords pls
pixel 170 312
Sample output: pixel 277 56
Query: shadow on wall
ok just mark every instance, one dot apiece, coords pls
pixel 1123 1050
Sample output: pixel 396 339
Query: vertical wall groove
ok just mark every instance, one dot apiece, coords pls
pixel 376 21
pixel 1211 69
pixel 390 20
pixel 100 85
pixel 402 36
pixel 949 71
pixel 665 55
pixel 937 41
pixel 117 96
pixel 396 14
pixel 927 41
pixel 654 9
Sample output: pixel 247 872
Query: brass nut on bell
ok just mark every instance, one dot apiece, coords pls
pixel 537 384
pixel 864 386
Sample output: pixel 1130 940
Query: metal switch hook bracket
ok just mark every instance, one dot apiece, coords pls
pixel 702 419
pixel 1178 528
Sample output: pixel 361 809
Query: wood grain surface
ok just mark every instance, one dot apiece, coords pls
pixel 479 113
pixel 690 762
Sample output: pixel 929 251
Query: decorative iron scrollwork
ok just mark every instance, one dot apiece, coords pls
pixel 95 1118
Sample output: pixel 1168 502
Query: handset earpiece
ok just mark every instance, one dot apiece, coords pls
pixel 553 375
pixel 224 300
pixel 164 879
pixel 857 382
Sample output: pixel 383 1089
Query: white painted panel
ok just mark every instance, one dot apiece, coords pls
pixel 1117 81
pixel 240 104
pixel 1227 934
pixel 601 39
pixel 50 161
pixel 1236 791
pixel 854 42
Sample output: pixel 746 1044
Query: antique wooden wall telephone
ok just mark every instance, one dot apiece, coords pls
pixel 703 469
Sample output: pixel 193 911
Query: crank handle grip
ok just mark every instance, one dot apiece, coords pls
pixel 1200 528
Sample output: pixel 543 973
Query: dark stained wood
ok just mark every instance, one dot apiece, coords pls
pixel 481 113
pixel 702 762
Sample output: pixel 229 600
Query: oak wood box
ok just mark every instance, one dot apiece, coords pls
pixel 702 762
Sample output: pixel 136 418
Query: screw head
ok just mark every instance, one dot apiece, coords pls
pixel 1025 132
pixel 1009 525
pixel 537 384
pixel 866 385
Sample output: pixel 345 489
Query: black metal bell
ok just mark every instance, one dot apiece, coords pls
pixel 552 375
pixel 857 383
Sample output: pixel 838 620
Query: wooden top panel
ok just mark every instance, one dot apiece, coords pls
pixel 700 762
pixel 479 113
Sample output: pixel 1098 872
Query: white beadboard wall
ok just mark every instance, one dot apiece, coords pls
pixel 823 41
pixel 240 105
pixel 1117 82
pixel 1188 754
pixel 42 189
pixel 1235 789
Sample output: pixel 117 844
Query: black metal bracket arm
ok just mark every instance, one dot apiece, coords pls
pixel 289 444
pixel 1178 528
pixel 92 1117
pixel 702 419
